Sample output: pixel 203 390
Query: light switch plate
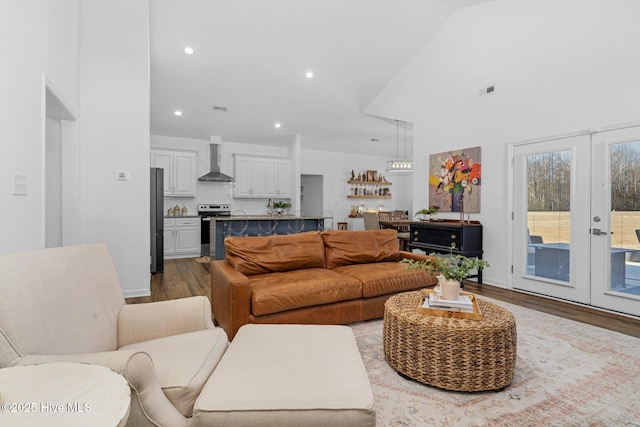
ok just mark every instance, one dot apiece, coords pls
pixel 19 184
pixel 122 175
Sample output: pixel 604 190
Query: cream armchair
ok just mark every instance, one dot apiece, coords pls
pixel 65 304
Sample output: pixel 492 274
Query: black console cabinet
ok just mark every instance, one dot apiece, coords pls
pixel 448 236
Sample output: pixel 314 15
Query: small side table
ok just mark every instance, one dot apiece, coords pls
pixel 63 394
pixel 453 354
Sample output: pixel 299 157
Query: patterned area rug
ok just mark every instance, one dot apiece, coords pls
pixel 567 374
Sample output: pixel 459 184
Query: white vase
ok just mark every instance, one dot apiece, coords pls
pixel 438 288
pixel 450 289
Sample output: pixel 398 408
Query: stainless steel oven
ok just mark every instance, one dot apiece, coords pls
pixel 206 212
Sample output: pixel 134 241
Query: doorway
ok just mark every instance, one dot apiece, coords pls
pixel 575 216
pixel 311 191
pixel 58 169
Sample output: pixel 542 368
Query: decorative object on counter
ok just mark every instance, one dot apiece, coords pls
pixel 177 211
pixel 454 180
pixel 453 268
pixel 432 212
pixel 353 213
pixel 280 208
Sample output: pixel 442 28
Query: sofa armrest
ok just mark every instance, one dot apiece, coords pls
pixel 230 297
pixel 137 368
pixel 143 322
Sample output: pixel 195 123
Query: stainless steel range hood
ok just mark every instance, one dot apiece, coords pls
pixel 215 175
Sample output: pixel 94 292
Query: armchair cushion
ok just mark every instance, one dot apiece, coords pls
pixel 183 363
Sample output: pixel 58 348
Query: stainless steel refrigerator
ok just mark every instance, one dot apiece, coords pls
pixel 157 220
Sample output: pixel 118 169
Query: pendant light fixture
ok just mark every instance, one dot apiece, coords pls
pixel 399 166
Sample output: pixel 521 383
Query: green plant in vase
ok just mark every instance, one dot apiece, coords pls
pixel 281 208
pixel 451 271
pixel 432 212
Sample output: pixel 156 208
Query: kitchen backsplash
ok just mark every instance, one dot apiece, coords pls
pixel 216 192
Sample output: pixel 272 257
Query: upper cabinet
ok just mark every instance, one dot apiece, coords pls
pixel 261 177
pixel 180 175
pixel 277 177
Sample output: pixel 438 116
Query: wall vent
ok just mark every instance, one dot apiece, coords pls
pixel 487 90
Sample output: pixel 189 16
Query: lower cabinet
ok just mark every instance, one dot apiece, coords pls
pixel 181 237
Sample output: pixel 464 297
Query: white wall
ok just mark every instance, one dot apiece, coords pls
pixel 38 37
pixel 336 169
pixel 115 135
pixel 557 67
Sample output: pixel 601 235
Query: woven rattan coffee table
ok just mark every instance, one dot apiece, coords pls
pixel 453 354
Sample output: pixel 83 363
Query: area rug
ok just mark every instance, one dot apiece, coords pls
pixel 567 374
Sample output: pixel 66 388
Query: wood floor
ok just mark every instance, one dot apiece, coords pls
pixel 186 277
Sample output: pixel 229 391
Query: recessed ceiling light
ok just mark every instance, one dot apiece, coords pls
pixel 177 113
pixel 309 74
pixel 188 50
pixel 277 125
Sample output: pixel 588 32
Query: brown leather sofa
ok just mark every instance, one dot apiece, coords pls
pixel 330 277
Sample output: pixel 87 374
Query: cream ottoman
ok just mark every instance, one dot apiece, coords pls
pixel 288 375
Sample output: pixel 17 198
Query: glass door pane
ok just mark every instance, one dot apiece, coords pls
pixel 548 215
pixel 624 165
pixel 551 217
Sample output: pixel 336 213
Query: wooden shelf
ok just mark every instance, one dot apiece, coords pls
pixel 380 183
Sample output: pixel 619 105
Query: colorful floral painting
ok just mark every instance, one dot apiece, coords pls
pixel 454 180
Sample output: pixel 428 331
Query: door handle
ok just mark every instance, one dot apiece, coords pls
pixel 598 232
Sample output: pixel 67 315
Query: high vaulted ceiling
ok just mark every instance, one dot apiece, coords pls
pixel 251 57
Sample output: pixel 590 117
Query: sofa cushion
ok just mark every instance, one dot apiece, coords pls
pixel 267 254
pixel 387 277
pixel 184 363
pixel 360 247
pixel 278 292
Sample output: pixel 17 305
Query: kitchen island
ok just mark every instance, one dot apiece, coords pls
pixel 257 225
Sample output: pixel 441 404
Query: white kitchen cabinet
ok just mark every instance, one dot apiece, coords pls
pixel 179 171
pixel 261 177
pixel 249 177
pixel 182 237
pixel 277 178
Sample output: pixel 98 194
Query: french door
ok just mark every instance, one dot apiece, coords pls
pixel 576 209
